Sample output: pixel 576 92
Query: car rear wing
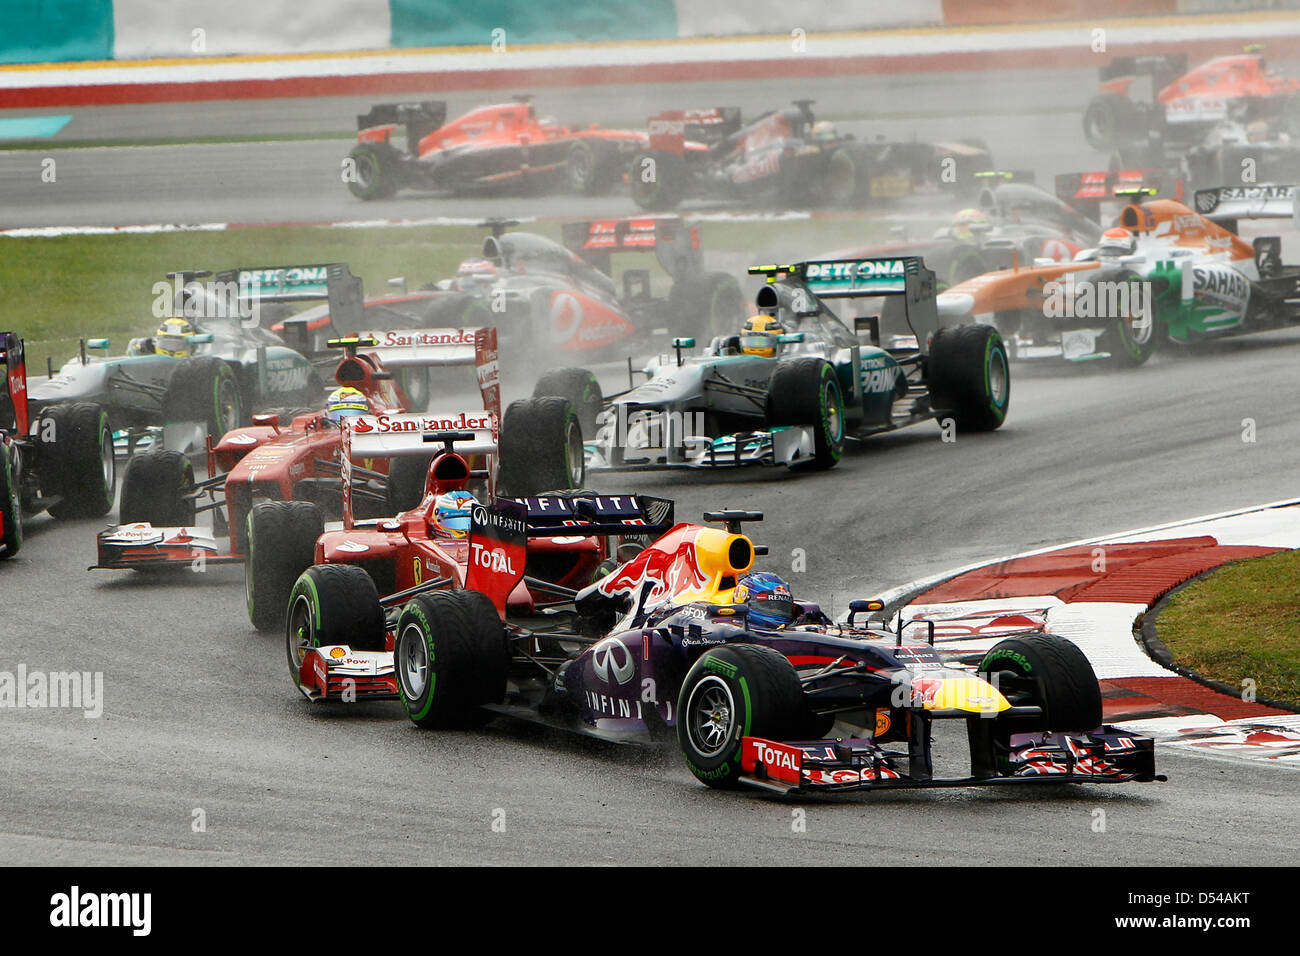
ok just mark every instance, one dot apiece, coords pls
pixel 905 276
pixel 1227 204
pixel 675 244
pixel 1162 70
pixel 330 282
pixel 588 513
pixel 670 129
pixel 420 119
pixel 471 432
pixel 13 356
pixel 1089 192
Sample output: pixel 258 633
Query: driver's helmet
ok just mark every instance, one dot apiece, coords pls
pixel 1257 132
pixel 171 338
pixel 824 131
pixel 346 402
pixel 968 223
pixel 759 336
pixel 767 597
pixel 1116 242
pixel 475 274
pixel 451 514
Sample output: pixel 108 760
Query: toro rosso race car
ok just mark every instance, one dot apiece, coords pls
pixel 60 460
pixel 561 298
pixel 1163 276
pixel 211 363
pixel 491 147
pixel 788 157
pixel 271 486
pixel 795 384
pixel 1181 106
pixel 683 639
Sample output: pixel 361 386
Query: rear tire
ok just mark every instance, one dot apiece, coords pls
pixel 77 466
pixel 805 392
pixel 665 187
pixel 450 655
pixel 333 604
pixel 541 447
pixel 156 489
pixel 591 168
pixel 582 390
pixel 733 692
pixel 407 479
pixel 377 171
pixel 1110 121
pixel 707 305
pixel 204 389
pixel 970 377
pixel 11 512
pixel 281 545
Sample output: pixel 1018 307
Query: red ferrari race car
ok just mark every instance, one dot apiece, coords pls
pixel 61 461
pixel 788 157
pixel 449 542
pixel 488 148
pixel 561 298
pixel 307 468
pixel 1157 97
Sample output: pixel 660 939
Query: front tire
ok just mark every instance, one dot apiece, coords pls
pixel 281 545
pixel 657 179
pixel 158 487
pixel 805 392
pixel 333 604
pixel 376 170
pixel 733 692
pixel 204 389
pixel 707 305
pixel 1046 671
pixel 450 655
pixel 582 390
pixel 970 377
pixel 11 512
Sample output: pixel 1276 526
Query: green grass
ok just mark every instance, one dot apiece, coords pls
pixel 1242 621
pixel 60 289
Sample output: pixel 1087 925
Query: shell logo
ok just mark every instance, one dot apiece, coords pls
pixel 337 653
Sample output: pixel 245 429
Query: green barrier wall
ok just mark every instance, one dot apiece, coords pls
pixel 447 23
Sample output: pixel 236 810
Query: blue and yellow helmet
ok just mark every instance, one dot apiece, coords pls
pixel 768 599
pixel 346 402
pixel 452 512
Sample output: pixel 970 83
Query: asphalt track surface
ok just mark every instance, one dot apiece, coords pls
pixel 199 712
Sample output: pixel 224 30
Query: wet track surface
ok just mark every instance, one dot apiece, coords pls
pixel 199 712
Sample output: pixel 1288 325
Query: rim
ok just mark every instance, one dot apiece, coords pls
pixel 834 418
pixel 107 463
pixel 413 662
pixel 710 716
pixel 301 634
pixel 581 164
pixel 365 169
pixel 575 457
pixel 998 378
pixel 228 406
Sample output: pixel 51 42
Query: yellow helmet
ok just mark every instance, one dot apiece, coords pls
pixel 346 402
pixel 758 337
pixel 170 339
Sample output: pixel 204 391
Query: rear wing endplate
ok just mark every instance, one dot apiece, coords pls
pixel 330 282
pixel 1227 204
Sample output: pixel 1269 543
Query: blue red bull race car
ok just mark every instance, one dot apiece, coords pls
pixel 682 639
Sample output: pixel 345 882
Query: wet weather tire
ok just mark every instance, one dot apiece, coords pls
pixel 969 377
pixel 407 479
pixel 158 488
pixel 733 692
pixel 541 447
pixel 333 604
pixel 1109 121
pixel 204 389
pixel 11 512
pixel 377 171
pixel 805 392
pixel 591 168
pixel 1049 672
pixel 450 655
pixel 77 465
pixel 281 545
pixel 707 305
pixel 657 179
pixel 582 390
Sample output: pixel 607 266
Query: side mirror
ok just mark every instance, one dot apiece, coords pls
pixel 790 338
pixel 199 338
pixel 267 420
pixel 686 343
pixel 864 607
pixel 97 344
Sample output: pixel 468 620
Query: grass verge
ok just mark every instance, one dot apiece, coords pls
pixel 1241 622
pixel 63 288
